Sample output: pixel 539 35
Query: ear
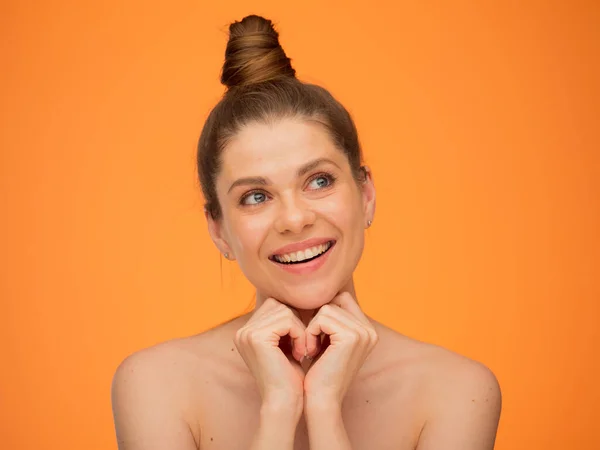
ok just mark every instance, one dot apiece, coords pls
pixel 217 234
pixel 368 194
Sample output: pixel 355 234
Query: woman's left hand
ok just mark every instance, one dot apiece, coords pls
pixel 351 339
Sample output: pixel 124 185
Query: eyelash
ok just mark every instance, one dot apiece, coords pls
pixel 331 177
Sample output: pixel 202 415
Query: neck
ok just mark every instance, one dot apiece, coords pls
pixel 306 315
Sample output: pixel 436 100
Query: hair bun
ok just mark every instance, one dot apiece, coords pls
pixel 253 54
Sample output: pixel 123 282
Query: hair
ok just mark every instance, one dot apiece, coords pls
pixel 262 87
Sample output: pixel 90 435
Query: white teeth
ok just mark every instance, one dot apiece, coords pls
pixel 303 254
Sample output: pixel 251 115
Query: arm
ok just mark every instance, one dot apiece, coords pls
pixel 276 430
pixel 146 412
pixel 466 412
pixel 326 429
pixel 351 337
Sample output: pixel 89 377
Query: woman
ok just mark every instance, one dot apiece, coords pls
pixel 287 198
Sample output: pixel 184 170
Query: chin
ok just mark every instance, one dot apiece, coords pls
pixel 309 297
pixel 303 304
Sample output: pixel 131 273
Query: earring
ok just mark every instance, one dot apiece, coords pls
pixel 369 223
pixel 365 173
pixel 226 255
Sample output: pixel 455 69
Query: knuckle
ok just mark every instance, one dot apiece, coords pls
pixel 270 302
pixel 374 336
pixel 353 337
pixel 240 334
pixel 289 321
pixel 326 309
pixel 241 338
pixel 252 336
pixel 294 312
pixel 364 335
pixel 288 313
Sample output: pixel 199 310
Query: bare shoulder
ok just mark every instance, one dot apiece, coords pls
pixel 437 367
pixel 460 397
pixel 454 373
pixel 155 391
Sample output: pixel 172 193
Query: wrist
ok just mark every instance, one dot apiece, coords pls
pixel 325 424
pixel 276 429
pixel 286 408
pixel 321 405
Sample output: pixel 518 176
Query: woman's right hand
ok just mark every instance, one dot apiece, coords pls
pixel 279 376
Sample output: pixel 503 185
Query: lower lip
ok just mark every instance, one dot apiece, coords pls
pixel 307 267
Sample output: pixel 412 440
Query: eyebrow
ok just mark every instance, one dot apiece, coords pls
pixel 262 181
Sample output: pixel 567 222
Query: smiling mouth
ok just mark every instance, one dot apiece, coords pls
pixel 280 260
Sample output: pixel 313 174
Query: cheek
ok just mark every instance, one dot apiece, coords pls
pixel 248 234
pixel 345 213
pixel 343 210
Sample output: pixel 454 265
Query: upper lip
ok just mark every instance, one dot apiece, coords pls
pixel 313 242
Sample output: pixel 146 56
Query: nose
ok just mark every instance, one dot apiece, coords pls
pixel 294 215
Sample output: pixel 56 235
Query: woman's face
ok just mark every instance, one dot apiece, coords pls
pixel 282 184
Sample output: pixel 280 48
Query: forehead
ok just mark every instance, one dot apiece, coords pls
pixel 269 149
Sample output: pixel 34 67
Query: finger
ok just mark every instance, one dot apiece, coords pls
pixel 268 307
pixel 343 316
pixel 318 346
pixel 298 341
pixel 269 316
pixel 322 347
pixel 273 328
pixel 315 339
pixel 364 329
pixel 348 303
pixel 323 323
pixel 297 334
pixel 298 344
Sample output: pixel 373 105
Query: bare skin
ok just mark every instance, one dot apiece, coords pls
pixel 197 393
pixel 232 387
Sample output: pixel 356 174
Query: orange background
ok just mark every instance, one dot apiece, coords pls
pixel 479 122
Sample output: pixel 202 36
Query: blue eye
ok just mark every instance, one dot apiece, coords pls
pixel 257 197
pixel 323 180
